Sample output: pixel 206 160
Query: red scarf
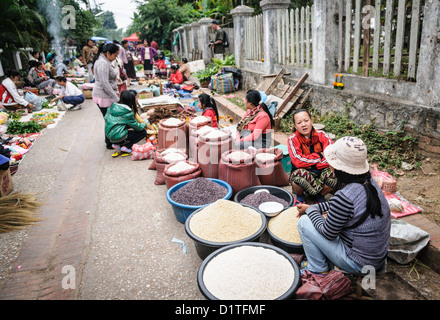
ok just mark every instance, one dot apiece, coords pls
pixel 313 141
pixel 249 117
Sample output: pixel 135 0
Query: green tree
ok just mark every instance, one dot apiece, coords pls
pixel 156 19
pixel 22 26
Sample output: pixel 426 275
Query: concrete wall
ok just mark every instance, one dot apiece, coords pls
pixel 390 101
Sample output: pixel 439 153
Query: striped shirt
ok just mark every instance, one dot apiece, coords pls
pixel 366 244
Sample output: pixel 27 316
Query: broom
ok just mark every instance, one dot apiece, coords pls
pixel 17 210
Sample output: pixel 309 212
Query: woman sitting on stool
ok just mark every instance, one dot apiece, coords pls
pixel 310 170
pixel 356 231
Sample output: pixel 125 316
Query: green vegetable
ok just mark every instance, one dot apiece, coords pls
pixel 17 127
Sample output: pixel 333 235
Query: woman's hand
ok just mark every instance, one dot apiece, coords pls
pixel 302 209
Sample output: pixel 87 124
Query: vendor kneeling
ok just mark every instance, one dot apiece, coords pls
pixel 70 94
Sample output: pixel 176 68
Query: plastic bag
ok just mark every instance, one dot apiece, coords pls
pixel 33 98
pixel 61 106
pixel 223 83
pixel 385 181
pixel 406 241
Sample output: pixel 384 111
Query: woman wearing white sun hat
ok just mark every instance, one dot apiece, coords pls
pixel 356 231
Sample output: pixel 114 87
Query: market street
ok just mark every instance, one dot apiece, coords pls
pixel 106 223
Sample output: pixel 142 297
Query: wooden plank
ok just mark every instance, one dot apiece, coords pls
pixel 357 36
pixel 414 37
pixel 388 32
pixel 308 37
pixel 376 45
pixel 276 81
pixel 340 40
pixel 347 36
pixel 303 99
pixel 400 34
pixel 366 44
pixel 295 89
pixel 292 38
pixel 297 36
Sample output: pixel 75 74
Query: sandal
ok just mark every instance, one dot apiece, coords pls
pixel 116 154
pixel 125 154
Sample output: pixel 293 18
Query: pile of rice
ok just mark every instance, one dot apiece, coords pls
pixel 248 273
pixel 215 134
pixel 225 221
pixel 180 166
pixel 174 157
pixel 263 157
pixel 285 225
pixel 199 119
pixel 237 156
pixel 205 129
pixel 170 150
pixel 172 122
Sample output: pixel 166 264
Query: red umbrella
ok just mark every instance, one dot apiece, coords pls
pixel 133 37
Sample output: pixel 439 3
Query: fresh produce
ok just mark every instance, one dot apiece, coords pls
pixel 17 127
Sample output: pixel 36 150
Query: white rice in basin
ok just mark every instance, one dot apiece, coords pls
pixel 248 273
pixel 225 221
pixel 285 225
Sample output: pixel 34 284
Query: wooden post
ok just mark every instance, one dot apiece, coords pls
pixel 366 44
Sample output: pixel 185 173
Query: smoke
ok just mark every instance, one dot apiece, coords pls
pixel 51 9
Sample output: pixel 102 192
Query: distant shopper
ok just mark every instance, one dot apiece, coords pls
pixel 147 58
pixel 219 49
pixel 105 91
pixel 69 94
pixel 10 97
pixel 209 107
pixel 121 126
pixel 127 59
pixel 61 68
pixel 89 52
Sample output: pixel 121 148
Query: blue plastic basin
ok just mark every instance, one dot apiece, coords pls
pixel 183 211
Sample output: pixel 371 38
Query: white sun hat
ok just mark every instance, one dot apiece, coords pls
pixel 348 154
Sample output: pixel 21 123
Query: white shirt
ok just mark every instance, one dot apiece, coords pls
pixel 12 89
pixel 70 90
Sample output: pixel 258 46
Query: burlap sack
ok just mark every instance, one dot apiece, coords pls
pixel 209 152
pixel 172 136
pixel 239 174
pixel 161 163
pixel 271 172
pixel 173 178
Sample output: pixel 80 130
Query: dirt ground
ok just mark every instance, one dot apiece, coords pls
pixel 421 187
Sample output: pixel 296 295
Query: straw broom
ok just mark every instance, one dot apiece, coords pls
pixel 18 210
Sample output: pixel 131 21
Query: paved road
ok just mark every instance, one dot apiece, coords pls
pixel 108 229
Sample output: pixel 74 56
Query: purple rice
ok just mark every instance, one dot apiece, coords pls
pixel 255 199
pixel 199 192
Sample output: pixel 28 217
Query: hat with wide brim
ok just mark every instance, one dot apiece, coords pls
pixel 348 154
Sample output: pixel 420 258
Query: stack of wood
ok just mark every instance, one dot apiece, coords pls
pixel 288 96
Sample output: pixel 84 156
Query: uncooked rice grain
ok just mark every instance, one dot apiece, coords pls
pixel 173 157
pixel 170 150
pixel 255 199
pixel 237 156
pixel 205 129
pixel 225 221
pixel 285 225
pixel 199 192
pixel 199 119
pixel 215 134
pixel 179 167
pixel 172 122
pixel 248 273
pixel 264 156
